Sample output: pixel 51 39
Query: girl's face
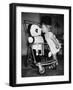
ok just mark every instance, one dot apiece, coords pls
pixel 45 28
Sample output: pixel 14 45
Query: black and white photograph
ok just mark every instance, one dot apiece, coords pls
pixel 40 44
pixel 42 39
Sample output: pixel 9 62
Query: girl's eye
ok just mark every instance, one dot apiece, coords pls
pixel 36 30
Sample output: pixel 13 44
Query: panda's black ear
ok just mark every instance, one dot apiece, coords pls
pixel 29 26
pixel 28 30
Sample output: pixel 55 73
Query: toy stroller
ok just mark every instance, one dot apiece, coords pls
pixel 40 50
pixel 44 61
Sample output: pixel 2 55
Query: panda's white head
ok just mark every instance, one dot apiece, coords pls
pixel 35 30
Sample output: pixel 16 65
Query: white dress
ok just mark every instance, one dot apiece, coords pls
pixel 49 36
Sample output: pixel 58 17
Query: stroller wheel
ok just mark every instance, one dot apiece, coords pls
pixel 42 71
pixel 56 63
pixel 54 66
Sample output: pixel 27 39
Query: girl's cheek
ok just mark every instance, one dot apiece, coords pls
pixel 43 29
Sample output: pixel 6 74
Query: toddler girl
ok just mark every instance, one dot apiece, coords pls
pixel 50 38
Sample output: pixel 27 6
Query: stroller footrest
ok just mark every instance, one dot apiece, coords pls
pixel 49 62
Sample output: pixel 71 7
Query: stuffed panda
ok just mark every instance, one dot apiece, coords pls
pixel 37 44
pixel 37 41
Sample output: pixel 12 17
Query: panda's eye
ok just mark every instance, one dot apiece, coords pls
pixel 36 30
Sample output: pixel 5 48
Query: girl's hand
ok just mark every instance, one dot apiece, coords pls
pixel 57 46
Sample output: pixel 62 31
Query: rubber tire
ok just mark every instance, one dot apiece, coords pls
pixel 41 72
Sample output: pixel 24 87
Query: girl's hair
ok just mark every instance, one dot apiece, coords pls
pixel 46 20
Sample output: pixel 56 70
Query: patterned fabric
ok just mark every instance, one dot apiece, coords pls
pixel 53 42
